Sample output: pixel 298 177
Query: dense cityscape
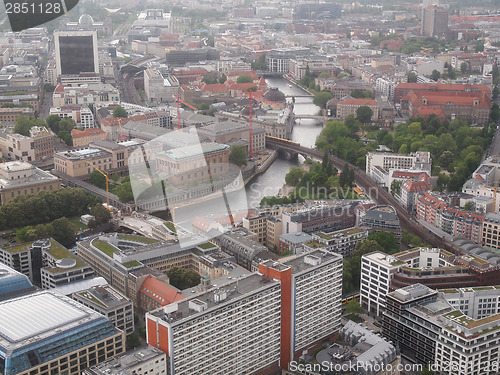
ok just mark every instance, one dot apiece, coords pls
pixel 242 187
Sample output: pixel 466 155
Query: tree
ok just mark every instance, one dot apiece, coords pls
pixel 244 79
pixel 53 123
pixel 223 78
pixel 238 155
pixel 124 192
pixel 133 341
pixel 386 240
pixel 183 279
pixel 396 187
pixel 411 77
pixel 324 75
pixel 469 206
pixel 23 125
pixel 495 93
pixel 464 67
pixel 119 111
pixel 64 232
pixel 435 75
pixel 48 87
pixel 322 97
pixel 479 45
pixel 97 179
pixel 294 176
pixel 446 159
pixel 451 73
pixel 354 308
pixel 101 214
pixel 364 114
pixel 495 113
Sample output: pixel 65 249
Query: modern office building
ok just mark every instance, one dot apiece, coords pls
pixel 321 217
pixel 341 242
pixel 60 266
pixel 13 283
pixel 434 20
pixel 428 329
pixel 316 11
pixel 109 302
pixel 159 85
pixel 382 218
pixel 246 325
pixel 48 333
pixel 475 302
pixel 387 160
pixel 76 52
pixel 377 271
pixel 144 360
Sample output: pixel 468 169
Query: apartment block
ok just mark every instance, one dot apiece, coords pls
pixel 437 211
pixel 258 224
pixel 248 325
pixel 80 114
pixel 388 160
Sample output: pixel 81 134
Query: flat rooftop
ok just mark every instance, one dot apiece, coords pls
pixel 234 289
pixel 383 259
pixel 130 360
pixel 60 314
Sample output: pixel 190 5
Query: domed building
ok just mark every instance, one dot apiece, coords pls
pixel 87 23
pixel 275 95
pixel 86 20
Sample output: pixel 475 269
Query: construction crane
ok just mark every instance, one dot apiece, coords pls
pixel 250 125
pixel 179 101
pixel 121 133
pixel 105 174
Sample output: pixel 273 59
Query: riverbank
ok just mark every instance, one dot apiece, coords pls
pixel 261 164
pixel 287 189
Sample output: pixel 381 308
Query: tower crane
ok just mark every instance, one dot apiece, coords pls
pixel 105 174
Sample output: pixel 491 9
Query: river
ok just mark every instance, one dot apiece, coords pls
pixel 305 131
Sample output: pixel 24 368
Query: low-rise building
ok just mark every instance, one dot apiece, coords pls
pixel 21 178
pixel 38 146
pixel 82 138
pixel 109 302
pixel 341 242
pixel 145 360
pixel 382 218
pixel 11 114
pixel 348 107
pixel 293 243
pixel 80 114
pixel 60 266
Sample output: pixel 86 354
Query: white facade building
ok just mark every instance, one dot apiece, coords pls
pixel 377 270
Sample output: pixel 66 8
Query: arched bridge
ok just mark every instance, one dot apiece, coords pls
pixel 372 190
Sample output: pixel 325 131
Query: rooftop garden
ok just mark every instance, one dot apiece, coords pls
pixel 60 252
pixel 131 264
pixel 15 249
pixel 448 291
pixel 92 298
pixel 170 226
pixel 133 237
pixel 105 247
pixel 206 245
pixel 314 244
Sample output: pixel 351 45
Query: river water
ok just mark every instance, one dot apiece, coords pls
pixel 305 132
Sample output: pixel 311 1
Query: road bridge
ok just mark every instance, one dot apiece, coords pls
pixel 372 190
